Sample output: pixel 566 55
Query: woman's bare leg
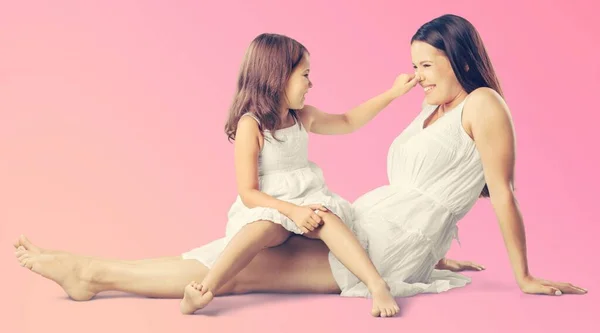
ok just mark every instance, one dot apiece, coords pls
pixel 298 266
pixel 25 243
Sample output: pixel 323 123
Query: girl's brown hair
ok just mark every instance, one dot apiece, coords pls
pixel 262 80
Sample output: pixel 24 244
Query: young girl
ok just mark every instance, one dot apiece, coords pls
pixel 280 190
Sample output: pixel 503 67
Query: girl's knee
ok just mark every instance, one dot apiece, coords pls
pixel 329 217
pixel 267 232
pixel 275 233
pixel 266 226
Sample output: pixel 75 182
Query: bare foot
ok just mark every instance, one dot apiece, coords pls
pixel 28 245
pixel 195 297
pixel 384 304
pixel 69 272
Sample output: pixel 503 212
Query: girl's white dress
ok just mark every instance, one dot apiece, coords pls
pixel 285 173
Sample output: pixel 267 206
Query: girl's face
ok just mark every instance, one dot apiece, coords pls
pixel 436 73
pixel 298 85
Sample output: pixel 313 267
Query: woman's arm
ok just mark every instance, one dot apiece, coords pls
pixel 335 124
pixel 488 120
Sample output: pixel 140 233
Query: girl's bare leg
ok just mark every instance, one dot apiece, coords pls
pixel 298 266
pixel 345 246
pixel 242 248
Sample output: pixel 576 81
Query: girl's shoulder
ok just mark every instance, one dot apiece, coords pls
pixel 248 124
pixel 250 115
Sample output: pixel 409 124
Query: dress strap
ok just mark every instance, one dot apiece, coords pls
pixel 249 114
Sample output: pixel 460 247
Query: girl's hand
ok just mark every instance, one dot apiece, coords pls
pixel 305 217
pixel 404 83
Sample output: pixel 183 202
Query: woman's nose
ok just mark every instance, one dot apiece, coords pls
pixel 419 73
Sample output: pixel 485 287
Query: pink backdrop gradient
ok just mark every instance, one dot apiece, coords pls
pixel 112 144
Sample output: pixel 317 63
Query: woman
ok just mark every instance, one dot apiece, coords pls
pixel 460 147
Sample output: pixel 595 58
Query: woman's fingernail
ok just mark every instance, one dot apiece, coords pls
pixel 558 293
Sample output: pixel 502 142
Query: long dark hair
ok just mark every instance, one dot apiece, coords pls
pixel 461 43
pixel 262 79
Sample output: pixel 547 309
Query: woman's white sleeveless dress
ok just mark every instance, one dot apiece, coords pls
pixel 435 177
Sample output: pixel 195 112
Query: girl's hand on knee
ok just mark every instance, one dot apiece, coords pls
pixel 319 211
pixel 305 218
pixel 318 207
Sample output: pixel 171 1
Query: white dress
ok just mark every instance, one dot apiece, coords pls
pixel 435 177
pixel 285 173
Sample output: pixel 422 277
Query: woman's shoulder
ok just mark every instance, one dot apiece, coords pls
pixel 485 109
pixel 484 103
pixel 485 95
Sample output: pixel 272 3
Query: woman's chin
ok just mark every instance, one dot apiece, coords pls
pixel 431 100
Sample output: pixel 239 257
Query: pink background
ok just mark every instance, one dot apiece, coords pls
pixel 112 144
